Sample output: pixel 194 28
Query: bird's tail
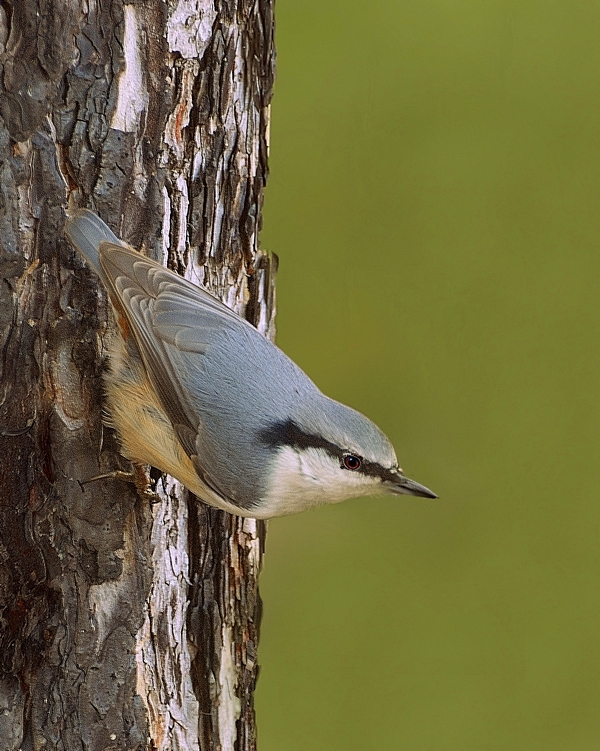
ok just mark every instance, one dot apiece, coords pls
pixel 86 231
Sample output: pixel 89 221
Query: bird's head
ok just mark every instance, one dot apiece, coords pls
pixel 327 453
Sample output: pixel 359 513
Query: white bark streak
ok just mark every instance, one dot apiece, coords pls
pixel 133 96
pixel 228 703
pixel 162 649
pixel 189 28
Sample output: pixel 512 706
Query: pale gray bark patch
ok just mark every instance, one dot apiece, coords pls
pixel 82 578
pixel 11 713
pixel 162 644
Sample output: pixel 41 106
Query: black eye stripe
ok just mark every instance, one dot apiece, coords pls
pixel 287 433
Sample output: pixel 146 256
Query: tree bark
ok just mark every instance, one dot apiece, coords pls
pixel 123 624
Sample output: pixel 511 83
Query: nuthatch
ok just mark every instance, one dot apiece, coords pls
pixel 194 390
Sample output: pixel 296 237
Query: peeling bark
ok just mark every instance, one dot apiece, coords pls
pixel 123 624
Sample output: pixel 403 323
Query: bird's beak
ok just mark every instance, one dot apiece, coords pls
pixel 401 485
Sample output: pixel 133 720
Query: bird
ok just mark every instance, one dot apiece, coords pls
pixel 196 391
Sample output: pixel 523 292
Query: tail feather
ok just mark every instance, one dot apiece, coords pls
pixel 86 231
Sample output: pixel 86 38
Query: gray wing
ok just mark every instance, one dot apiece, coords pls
pixel 218 379
pixel 169 316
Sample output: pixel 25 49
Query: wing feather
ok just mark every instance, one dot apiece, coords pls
pixel 172 321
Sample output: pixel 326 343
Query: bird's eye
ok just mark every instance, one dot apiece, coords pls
pixel 351 462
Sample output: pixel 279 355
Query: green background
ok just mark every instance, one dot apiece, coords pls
pixel 434 199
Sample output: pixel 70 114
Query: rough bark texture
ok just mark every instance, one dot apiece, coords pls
pixel 123 624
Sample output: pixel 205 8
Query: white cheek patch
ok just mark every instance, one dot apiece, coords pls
pixel 300 479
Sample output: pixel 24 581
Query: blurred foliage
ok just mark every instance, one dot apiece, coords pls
pixel 434 199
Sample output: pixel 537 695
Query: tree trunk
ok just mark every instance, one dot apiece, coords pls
pixel 123 624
